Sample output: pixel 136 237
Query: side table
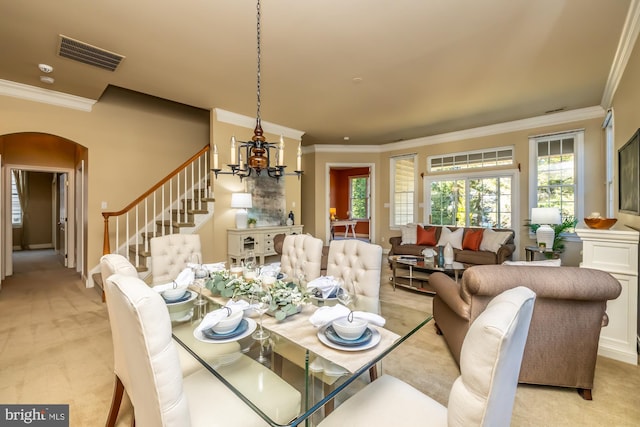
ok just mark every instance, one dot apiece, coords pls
pixel 531 251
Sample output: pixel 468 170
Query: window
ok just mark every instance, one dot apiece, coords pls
pixel 471 159
pixel 483 200
pixel 403 184
pixel 16 210
pixel 557 172
pixel 359 197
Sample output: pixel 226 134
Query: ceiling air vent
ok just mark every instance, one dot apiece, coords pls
pixel 87 54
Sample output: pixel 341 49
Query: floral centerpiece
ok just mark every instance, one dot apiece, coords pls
pixel 286 297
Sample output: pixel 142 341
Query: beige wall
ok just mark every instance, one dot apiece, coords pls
pixel 626 108
pixel 594 178
pixel 132 141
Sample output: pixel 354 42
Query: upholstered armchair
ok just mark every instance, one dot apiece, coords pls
pixel 562 346
pixel 171 253
pixel 358 264
pixel 301 254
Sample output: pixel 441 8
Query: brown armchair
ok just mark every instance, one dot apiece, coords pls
pixel 562 345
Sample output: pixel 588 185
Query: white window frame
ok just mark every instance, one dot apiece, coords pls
pixel 465 176
pixel 461 160
pixel 15 203
pixel 367 197
pixel 578 148
pixel 392 180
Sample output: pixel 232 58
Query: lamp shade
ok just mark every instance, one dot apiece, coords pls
pixel 544 216
pixel 241 201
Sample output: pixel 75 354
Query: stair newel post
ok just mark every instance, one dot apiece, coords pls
pixel 106 249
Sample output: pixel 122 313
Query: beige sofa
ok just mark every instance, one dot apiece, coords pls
pixel 567 318
pixel 498 255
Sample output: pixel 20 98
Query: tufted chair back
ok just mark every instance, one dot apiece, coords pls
pixel 142 320
pixel 301 253
pixel 358 264
pixel 170 255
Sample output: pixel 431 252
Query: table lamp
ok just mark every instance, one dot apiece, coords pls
pixel 545 217
pixel 241 202
pixel 332 212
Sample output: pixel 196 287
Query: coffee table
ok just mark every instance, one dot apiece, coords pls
pixel 413 272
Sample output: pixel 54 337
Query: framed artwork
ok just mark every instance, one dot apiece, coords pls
pixel 629 176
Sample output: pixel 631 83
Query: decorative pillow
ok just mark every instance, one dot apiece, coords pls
pixel 472 239
pixel 409 234
pixel 492 240
pixel 427 236
pixel 453 237
pixel 542 263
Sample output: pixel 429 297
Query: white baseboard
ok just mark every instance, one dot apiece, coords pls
pixel 42 246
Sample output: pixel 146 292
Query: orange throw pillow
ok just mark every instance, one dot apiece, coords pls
pixel 472 239
pixel 426 237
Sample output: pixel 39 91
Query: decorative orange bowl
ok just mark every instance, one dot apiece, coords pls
pixel 600 223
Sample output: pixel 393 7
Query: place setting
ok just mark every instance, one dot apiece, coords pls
pixel 344 329
pixel 226 324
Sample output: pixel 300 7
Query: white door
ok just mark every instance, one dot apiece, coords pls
pixel 62 241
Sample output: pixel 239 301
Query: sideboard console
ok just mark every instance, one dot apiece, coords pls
pixel 259 240
pixel 616 251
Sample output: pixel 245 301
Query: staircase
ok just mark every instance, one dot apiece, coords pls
pixel 180 203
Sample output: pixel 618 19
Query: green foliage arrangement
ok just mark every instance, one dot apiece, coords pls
pixel 286 297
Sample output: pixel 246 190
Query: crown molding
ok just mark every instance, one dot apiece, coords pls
pixel 236 119
pixel 500 128
pixel 628 38
pixel 45 96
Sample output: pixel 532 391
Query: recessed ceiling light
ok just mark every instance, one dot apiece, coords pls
pixel 346 138
pixel 46 79
pixel 45 68
pixel 357 80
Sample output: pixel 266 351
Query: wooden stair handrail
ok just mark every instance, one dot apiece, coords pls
pixel 106 249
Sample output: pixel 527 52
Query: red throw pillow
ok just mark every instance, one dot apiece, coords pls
pixel 472 239
pixel 426 237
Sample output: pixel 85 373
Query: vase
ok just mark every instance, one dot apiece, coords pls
pixel 448 254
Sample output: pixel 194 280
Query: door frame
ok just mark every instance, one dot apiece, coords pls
pixel 372 196
pixel 8 227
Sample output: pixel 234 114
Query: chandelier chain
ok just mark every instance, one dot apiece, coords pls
pixel 258 67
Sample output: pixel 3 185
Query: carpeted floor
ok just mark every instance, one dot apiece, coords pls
pixel 55 347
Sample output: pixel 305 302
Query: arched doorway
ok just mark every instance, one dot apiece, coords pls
pixel 63 163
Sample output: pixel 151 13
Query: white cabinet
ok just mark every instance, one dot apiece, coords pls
pixel 616 251
pixel 259 240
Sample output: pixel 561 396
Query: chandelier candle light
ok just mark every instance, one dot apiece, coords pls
pixel 257 152
pixel 545 217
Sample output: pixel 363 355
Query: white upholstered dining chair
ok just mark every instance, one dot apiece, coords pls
pixel 301 254
pixel 170 255
pixel 484 393
pixel 111 264
pixel 159 394
pixel 358 264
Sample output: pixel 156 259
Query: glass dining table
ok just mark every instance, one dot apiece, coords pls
pixel 298 355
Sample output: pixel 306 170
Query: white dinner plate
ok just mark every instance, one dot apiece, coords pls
pixel 250 328
pixel 375 339
pixel 193 296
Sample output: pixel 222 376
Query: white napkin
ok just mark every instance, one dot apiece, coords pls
pixel 325 284
pixel 215 267
pixel 212 318
pixel 325 315
pixel 184 279
pixel 321 364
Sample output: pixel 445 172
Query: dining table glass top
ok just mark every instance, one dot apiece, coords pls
pixel 311 363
